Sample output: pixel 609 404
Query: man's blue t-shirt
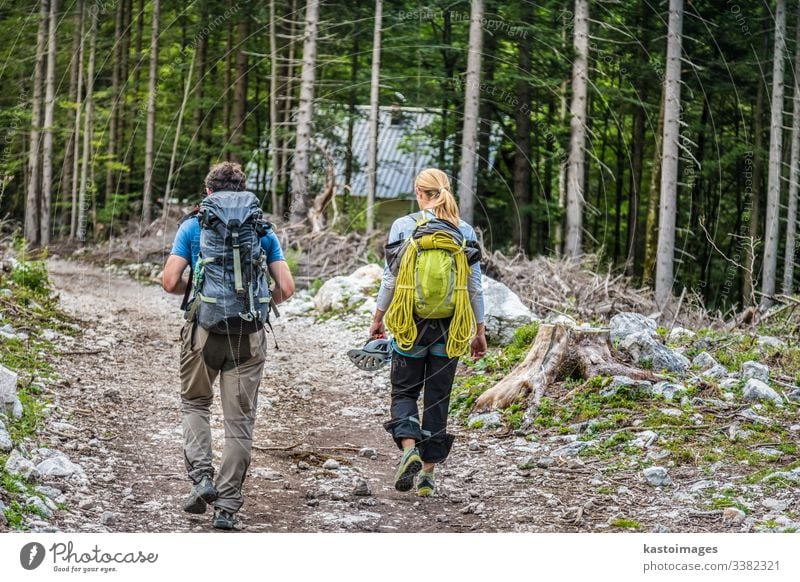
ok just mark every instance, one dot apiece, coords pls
pixel 187 243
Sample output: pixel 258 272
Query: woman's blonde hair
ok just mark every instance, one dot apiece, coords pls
pixel 435 186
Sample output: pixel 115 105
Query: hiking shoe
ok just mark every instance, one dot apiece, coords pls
pixel 426 486
pixel 202 494
pixel 223 519
pixel 410 465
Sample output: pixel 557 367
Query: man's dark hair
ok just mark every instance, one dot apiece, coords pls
pixel 226 177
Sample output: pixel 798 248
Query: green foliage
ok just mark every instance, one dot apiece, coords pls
pixel 625 523
pixel 31 276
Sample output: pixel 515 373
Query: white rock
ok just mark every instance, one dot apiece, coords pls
pixel 8 390
pixel 5 439
pixel 344 293
pixel 625 324
pixel 571 449
pixel 668 390
pixel 643 347
pixel 562 320
pixel 331 465
pixel 645 439
pixel 756 390
pixel 757 370
pixel 58 465
pixel 16 464
pixel 771 341
pixel 485 420
pixel 657 476
pixel 39 506
pixel 704 361
pixel 677 334
pixel 505 312
pixel 728 383
pixel 774 504
pixel 715 372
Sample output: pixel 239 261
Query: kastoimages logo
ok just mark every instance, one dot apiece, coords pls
pixel 31 555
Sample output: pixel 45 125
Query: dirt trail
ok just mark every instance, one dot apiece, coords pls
pixel 120 390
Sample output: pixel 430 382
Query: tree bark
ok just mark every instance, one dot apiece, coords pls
pixel 273 110
pixel 558 352
pixel 116 77
pixel 634 258
pixel 772 214
pixel 87 132
pixel 149 144
pixel 522 155
pixel 469 138
pixel 240 92
pixel 49 110
pixel 32 200
pixel 300 193
pixel 168 188
pixel 351 120
pixel 69 148
pixel 577 143
pixel 374 114
pixel 651 221
pixel 794 171
pixel 73 223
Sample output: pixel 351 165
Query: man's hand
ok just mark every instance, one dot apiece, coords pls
pixel 172 278
pixel 478 345
pixel 377 329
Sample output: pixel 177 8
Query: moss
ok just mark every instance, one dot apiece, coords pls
pixel 626 523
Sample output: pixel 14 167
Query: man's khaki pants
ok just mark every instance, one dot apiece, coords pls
pixel 238 361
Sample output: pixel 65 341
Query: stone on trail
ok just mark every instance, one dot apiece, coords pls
pixel 344 293
pixel 485 420
pixel 505 312
pixel 108 518
pixel 361 487
pixel 571 449
pixel 756 390
pixel 368 453
pixel 733 515
pixel 657 476
pixel 757 370
pixel 58 465
pixel 526 463
pixel 331 465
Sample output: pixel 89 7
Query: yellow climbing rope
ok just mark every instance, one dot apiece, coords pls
pixel 400 318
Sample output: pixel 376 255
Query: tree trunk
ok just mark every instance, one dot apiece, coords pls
pixel 316 213
pixel 577 143
pixel 115 98
pixel 49 110
pixel 287 111
pixel 469 137
pixel 33 196
pixel 669 158
pixel 168 188
pixel 374 114
pixel 273 110
pixel 772 214
pixel 226 90
pixel 149 144
pixel 651 222
pixel 305 109
pixel 794 170
pixel 351 120
pixel 240 92
pixel 634 258
pixel 69 153
pixel 87 131
pixel 73 223
pixel 522 155
pixel 558 352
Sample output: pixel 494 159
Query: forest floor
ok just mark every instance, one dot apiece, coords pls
pixel 118 396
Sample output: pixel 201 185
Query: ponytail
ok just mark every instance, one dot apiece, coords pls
pixel 436 187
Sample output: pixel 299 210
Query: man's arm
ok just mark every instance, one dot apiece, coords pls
pixel 284 283
pixel 172 278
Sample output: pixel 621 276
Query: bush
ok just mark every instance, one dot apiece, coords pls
pixel 32 276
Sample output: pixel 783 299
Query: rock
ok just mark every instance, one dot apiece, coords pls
pixel 368 453
pixel 758 391
pixel 771 341
pixel 303 466
pixel 646 351
pixel 677 334
pixel 627 385
pixel 645 439
pixel 625 324
pixel 331 465
pixel 16 464
pixel 346 293
pixel 571 449
pixel 8 332
pixel 657 476
pixel 526 463
pixel 791 476
pixel 775 504
pixel 545 462
pixel 505 312
pixel 361 487
pixel 704 361
pixel 752 416
pixel 673 412
pixel 8 390
pixel 268 474
pixel 108 518
pixel 3 519
pixel 561 319
pixel 659 528
pixel 39 507
pixel 757 370
pixel 715 373
pixel 474 445
pixel 733 515
pixel 16 409
pixel 668 390
pixel 735 433
pixel 6 444
pixel 728 383
pixel 702 484
pixel 298 305
pixel 86 503
pixel 794 395
pixel 486 420
pixel 58 465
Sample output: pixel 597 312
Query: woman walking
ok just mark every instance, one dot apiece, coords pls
pixel 432 300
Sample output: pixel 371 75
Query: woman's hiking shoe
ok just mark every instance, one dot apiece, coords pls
pixel 410 465
pixel 202 494
pixel 426 486
pixel 223 519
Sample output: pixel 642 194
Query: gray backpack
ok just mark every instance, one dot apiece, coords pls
pixel 231 284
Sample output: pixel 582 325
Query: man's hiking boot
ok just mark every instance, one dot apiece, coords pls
pixel 202 494
pixel 410 465
pixel 426 486
pixel 223 519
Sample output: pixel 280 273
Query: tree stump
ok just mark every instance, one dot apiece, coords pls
pixel 559 352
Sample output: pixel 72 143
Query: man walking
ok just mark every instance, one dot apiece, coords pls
pixel 230 251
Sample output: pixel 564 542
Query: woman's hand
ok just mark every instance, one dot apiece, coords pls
pixel 478 345
pixel 377 329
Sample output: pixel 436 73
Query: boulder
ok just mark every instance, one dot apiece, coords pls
pixel 668 390
pixel 625 324
pixel 657 476
pixel 647 351
pixel 9 402
pixel 343 293
pixel 756 390
pixel 16 464
pixel 704 361
pixel 505 312
pixel 757 370
pixel 716 372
